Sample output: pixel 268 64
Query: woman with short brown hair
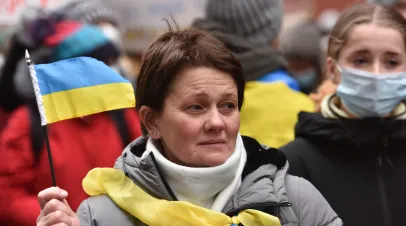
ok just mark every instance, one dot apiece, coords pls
pixel 189 95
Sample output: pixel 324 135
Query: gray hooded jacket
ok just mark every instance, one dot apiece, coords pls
pixel 266 186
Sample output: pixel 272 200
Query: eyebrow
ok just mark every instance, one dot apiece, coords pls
pixel 228 95
pixel 360 51
pixel 392 53
pixel 205 95
pixel 364 51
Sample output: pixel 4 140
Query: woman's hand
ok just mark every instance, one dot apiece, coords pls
pixel 55 209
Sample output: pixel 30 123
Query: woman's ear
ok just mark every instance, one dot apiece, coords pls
pixel 331 70
pixel 148 119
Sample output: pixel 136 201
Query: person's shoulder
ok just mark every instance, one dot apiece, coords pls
pixel 260 154
pixel 18 122
pixel 282 76
pixel 309 204
pixel 273 90
pixel 298 146
pixel 299 154
pixel 101 210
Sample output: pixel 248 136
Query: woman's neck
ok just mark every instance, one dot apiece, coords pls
pixel 209 187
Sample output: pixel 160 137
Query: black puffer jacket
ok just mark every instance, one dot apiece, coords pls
pixel 359 165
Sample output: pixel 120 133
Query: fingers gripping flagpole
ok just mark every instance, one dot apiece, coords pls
pixel 41 109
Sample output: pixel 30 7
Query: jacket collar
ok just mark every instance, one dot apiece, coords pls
pixel 368 131
pixel 265 168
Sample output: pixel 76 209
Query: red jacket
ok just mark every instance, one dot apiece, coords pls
pixel 77 146
pixel 3 118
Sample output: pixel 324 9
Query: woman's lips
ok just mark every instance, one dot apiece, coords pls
pixel 215 144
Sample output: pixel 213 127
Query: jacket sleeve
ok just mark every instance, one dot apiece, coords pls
pixel 18 206
pixel 293 152
pixel 101 210
pixel 310 206
pixel 84 215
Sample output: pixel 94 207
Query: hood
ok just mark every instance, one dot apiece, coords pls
pixel 368 131
pixel 22 79
pixel 256 61
pixel 265 168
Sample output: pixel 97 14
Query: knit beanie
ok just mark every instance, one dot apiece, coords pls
pixel 302 41
pixel 73 39
pixel 384 2
pixel 89 11
pixel 259 21
pixel 69 39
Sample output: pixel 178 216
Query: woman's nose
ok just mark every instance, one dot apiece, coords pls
pixel 376 68
pixel 215 121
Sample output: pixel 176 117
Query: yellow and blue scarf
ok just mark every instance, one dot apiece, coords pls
pixel 158 212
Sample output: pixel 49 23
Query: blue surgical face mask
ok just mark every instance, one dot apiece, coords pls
pixel 306 78
pixel 366 94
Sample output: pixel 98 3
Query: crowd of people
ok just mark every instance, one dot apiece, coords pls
pixel 232 118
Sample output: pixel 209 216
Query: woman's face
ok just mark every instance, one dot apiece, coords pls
pixel 200 119
pixel 372 48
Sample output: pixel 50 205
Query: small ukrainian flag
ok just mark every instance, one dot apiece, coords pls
pixel 78 87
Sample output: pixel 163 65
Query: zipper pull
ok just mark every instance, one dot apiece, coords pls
pixel 389 161
pixel 385 141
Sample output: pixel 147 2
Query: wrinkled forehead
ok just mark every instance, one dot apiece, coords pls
pixel 202 80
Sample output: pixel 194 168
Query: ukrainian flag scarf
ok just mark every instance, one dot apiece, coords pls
pixel 157 212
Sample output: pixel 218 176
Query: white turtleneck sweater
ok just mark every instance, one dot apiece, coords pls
pixel 209 187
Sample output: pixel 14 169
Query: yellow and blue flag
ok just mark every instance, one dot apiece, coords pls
pixel 78 87
pixel 270 112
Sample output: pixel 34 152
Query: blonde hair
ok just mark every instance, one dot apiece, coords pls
pixel 363 13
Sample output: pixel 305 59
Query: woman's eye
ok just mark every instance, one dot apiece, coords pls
pixel 195 107
pixel 360 61
pixel 229 106
pixel 393 63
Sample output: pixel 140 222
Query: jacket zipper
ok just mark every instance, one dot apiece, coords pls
pixel 381 184
pixel 258 206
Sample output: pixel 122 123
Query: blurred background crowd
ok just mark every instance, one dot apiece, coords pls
pixel 292 50
pixel 141 22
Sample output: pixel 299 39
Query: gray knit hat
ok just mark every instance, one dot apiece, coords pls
pixel 89 11
pixel 302 41
pixel 259 21
pixel 384 2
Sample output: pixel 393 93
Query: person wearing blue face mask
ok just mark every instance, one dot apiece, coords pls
pixel 307 79
pixel 301 46
pixel 367 94
pixel 353 151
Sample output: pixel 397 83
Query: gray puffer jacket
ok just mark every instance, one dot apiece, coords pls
pixel 266 186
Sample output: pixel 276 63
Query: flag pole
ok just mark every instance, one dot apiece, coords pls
pixel 38 97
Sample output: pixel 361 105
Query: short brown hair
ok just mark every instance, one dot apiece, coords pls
pixel 363 13
pixel 172 52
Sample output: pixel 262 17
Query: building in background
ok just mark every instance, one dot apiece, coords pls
pixel 11 10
